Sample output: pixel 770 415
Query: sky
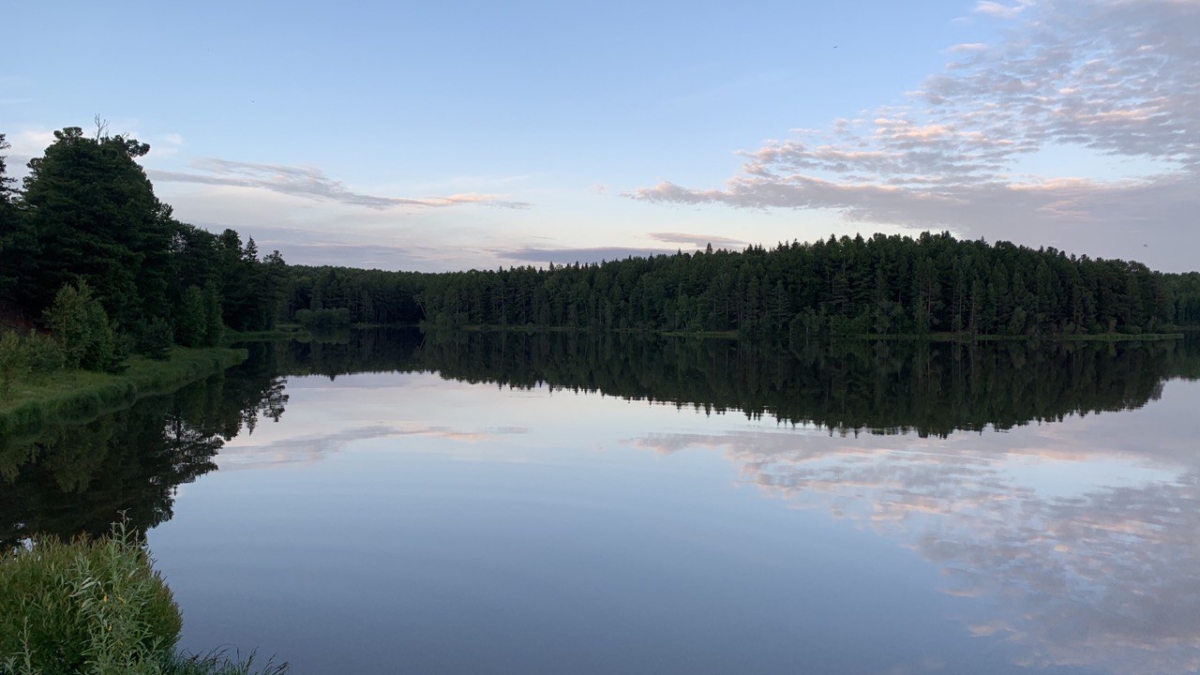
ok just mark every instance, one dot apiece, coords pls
pixel 458 135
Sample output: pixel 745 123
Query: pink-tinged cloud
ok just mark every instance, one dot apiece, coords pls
pixel 1112 78
pixel 312 183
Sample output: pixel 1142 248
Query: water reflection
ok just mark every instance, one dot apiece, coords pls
pixel 80 477
pixel 1080 535
pixel 1077 530
pixel 882 387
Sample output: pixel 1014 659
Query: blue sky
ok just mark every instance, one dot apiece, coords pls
pixel 458 134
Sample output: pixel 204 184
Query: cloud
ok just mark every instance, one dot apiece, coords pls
pixel 999 9
pixel 26 145
pixel 697 240
pixel 580 255
pixel 315 447
pixel 1079 85
pixel 312 183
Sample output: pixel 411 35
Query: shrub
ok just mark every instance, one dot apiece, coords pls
pixel 86 606
pixel 191 322
pixel 214 328
pixel 43 353
pixel 324 319
pixel 14 362
pixel 154 339
pixel 81 327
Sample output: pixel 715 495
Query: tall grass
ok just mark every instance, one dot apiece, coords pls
pixel 92 607
pixel 97 608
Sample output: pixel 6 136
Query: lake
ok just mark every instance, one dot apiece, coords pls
pixel 390 502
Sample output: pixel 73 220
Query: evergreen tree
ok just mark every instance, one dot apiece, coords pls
pixel 94 216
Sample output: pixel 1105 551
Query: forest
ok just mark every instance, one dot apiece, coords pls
pixel 88 253
pixel 86 230
pixel 884 285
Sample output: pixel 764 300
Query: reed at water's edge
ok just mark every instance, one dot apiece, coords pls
pixel 95 606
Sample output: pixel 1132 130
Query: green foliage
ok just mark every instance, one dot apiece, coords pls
pixel 43 354
pixel 14 361
pixel 190 322
pixel 94 217
pixel 214 326
pixel 154 339
pixel 87 606
pixel 324 319
pixel 81 327
pixel 22 358
pixel 885 285
pixel 88 214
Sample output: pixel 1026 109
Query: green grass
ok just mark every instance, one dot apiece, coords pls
pixel 97 607
pixel 79 395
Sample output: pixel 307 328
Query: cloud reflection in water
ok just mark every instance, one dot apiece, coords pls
pixel 1081 536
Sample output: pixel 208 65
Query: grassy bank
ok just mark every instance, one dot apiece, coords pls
pixel 94 607
pixel 79 394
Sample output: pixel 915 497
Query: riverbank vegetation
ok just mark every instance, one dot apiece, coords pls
pixel 93 606
pixel 105 296
pixel 37 394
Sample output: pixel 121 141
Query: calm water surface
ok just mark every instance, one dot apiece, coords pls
pixel 537 508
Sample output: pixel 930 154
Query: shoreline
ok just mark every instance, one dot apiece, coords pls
pixel 80 395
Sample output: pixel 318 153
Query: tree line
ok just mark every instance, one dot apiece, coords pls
pixel 884 285
pixel 87 218
pixel 87 249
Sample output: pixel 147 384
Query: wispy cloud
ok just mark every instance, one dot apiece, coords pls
pixel 312 183
pixel 1000 9
pixel 580 255
pixel 697 240
pixel 1115 78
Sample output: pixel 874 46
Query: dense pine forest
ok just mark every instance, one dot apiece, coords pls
pixel 90 254
pixel 885 285
pixel 87 249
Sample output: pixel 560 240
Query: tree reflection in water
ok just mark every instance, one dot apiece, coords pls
pixel 77 479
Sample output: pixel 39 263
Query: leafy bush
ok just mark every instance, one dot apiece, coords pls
pixel 85 606
pixel 43 353
pixel 190 320
pixel 20 357
pixel 14 362
pixel 154 338
pixel 324 319
pixel 79 323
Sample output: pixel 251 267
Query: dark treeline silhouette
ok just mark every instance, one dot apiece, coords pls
pixel 885 285
pixel 78 479
pixel 87 214
pixel 882 387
